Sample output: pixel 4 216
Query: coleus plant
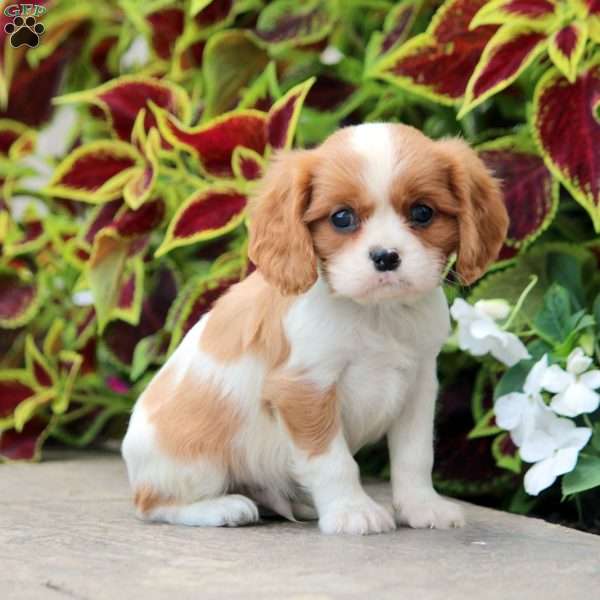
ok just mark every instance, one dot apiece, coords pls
pixel 132 136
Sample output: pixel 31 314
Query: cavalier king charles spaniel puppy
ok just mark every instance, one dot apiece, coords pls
pixel 329 345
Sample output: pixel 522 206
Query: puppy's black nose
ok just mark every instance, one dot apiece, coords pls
pixel 385 260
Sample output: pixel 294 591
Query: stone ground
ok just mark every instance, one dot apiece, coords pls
pixel 67 530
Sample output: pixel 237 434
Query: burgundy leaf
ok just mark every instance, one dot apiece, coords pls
pixel 528 190
pixel 328 93
pixel 23 445
pixel 567 128
pixel 215 12
pixel 210 212
pixel 213 143
pixel 12 393
pixel 17 297
pixel 441 61
pixel 103 217
pixel 167 26
pixel 141 221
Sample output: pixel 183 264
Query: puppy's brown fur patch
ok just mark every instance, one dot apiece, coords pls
pixel 249 318
pixel 191 417
pixel 310 414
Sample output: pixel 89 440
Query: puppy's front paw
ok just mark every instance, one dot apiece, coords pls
pixel 431 511
pixel 356 517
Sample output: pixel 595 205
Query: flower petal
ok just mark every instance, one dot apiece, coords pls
pixel 509 410
pixel 576 400
pixel 509 349
pixel 556 380
pixel 539 477
pixel 591 379
pixel 537 446
pixel 533 383
pixel 497 310
pixel 461 310
pixel 578 362
pixel 565 460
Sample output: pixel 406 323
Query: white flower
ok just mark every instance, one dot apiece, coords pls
pixel 83 298
pixel 554 447
pixel 136 56
pixel 520 412
pixel 479 334
pixel 574 388
pixel 331 56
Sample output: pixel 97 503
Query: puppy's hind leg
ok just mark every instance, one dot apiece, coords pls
pixel 231 510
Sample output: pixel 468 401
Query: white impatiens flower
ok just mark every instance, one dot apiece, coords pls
pixel 479 333
pixel 574 388
pixel 520 412
pixel 554 447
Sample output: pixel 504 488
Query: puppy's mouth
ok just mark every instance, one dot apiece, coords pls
pixel 384 286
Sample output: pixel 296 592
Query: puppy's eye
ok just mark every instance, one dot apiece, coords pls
pixel 344 220
pixel 421 214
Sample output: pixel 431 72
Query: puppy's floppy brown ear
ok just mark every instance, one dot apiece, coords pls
pixel 281 245
pixel 483 220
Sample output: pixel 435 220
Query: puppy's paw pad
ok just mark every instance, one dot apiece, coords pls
pixel 357 518
pixel 432 513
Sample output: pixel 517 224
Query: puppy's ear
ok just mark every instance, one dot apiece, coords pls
pixel 483 220
pixel 281 245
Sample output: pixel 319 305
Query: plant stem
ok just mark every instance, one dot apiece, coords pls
pixel 520 301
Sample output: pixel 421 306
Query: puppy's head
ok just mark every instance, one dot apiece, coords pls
pixel 379 207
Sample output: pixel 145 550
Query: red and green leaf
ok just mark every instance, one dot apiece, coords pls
pixel 129 303
pixel 286 23
pixel 20 297
pixel 43 374
pixel 566 48
pixel 439 62
pixel 143 179
pixel 247 164
pixel 530 192
pixel 284 114
pixel 196 299
pixel 132 223
pixel 506 453
pixel 511 50
pixel 25 444
pixel 205 215
pixel 529 13
pixel 95 172
pixel 567 130
pixel 123 98
pixel 122 338
pixel 10 132
pixel 15 387
pixel 213 143
pixel 167 26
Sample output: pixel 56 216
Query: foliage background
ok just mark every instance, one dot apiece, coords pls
pixel 132 135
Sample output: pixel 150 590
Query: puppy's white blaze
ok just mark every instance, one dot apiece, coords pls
pixel 374 142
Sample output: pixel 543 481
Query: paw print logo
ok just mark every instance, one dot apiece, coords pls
pixel 24 32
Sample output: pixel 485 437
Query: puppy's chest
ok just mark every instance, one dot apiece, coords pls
pixel 372 391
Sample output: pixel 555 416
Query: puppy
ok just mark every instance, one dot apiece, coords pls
pixel 329 345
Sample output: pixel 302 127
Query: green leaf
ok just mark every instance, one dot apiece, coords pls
pixel 552 322
pixel 513 379
pixel 511 462
pixel 566 270
pixel 148 351
pixel 226 75
pixel 585 476
pixel 105 271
